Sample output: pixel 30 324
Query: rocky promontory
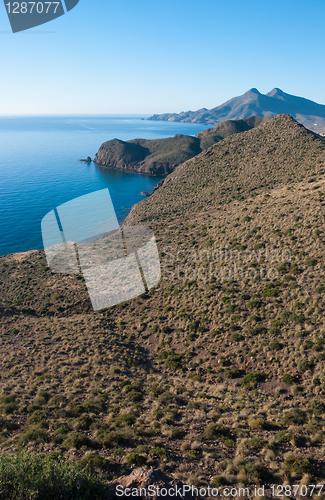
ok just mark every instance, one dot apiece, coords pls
pixel 162 156
pixel 157 157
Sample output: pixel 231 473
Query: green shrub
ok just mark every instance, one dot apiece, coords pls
pixel 28 476
pixel 251 379
pixel 159 452
pixel 224 361
pixel 317 407
pixel 38 417
pixel 95 461
pixel 136 459
pixel 235 373
pixel 283 436
pixel 219 481
pixel 275 346
pixel 256 442
pixel 311 262
pixel 125 419
pixel 176 432
pixel 305 365
pixel 288 379
pixel 7 424
pixel 76 440
pixel 270 292
pixel 172 360
pixel 94 405
pixel 298 465
pixel 255 304
pixel 295 416
pixel 34 434
pixel 215 430
pixel 83 422
pixel 236 337
pixel 256 471
pixel 8 404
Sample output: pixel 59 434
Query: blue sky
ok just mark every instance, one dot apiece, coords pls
pixel 154 56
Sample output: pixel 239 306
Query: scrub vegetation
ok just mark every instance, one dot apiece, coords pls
pixel 215 376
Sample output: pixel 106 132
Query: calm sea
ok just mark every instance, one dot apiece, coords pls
pixel 39 168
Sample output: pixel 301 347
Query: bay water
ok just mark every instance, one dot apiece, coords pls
pixel 40 168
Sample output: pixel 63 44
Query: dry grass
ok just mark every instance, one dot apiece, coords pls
pixel 202 377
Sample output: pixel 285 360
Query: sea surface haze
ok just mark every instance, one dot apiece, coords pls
pixel 40 168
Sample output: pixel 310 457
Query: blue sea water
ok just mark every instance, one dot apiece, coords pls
pixel 40 168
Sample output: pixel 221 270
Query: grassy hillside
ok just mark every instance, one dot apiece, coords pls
pixel 222 130
pixel 217 376
pixel 278 152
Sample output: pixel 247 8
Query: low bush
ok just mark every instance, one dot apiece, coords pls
pixel 76 440
pixel 288 379
pixel 136 459
pixel 215 430
pixel 251 379
pixel 294 416
pixel 27 475
pixel 298 465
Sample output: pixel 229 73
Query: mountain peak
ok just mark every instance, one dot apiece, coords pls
pixel 253 91
pixel 275 91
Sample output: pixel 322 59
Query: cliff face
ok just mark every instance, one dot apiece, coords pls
pixel 162 156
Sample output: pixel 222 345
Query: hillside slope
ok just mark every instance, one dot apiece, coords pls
pixel 216 375
pixel 277 152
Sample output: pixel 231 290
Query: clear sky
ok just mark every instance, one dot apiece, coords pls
pixel 155 56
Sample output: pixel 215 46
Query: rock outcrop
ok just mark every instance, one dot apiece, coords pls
pixel 141 479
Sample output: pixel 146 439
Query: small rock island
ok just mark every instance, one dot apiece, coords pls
pixel 87 160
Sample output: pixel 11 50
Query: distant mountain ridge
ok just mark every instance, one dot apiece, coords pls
pixel 305 111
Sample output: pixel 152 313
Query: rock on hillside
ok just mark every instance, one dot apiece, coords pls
pixel 142 478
